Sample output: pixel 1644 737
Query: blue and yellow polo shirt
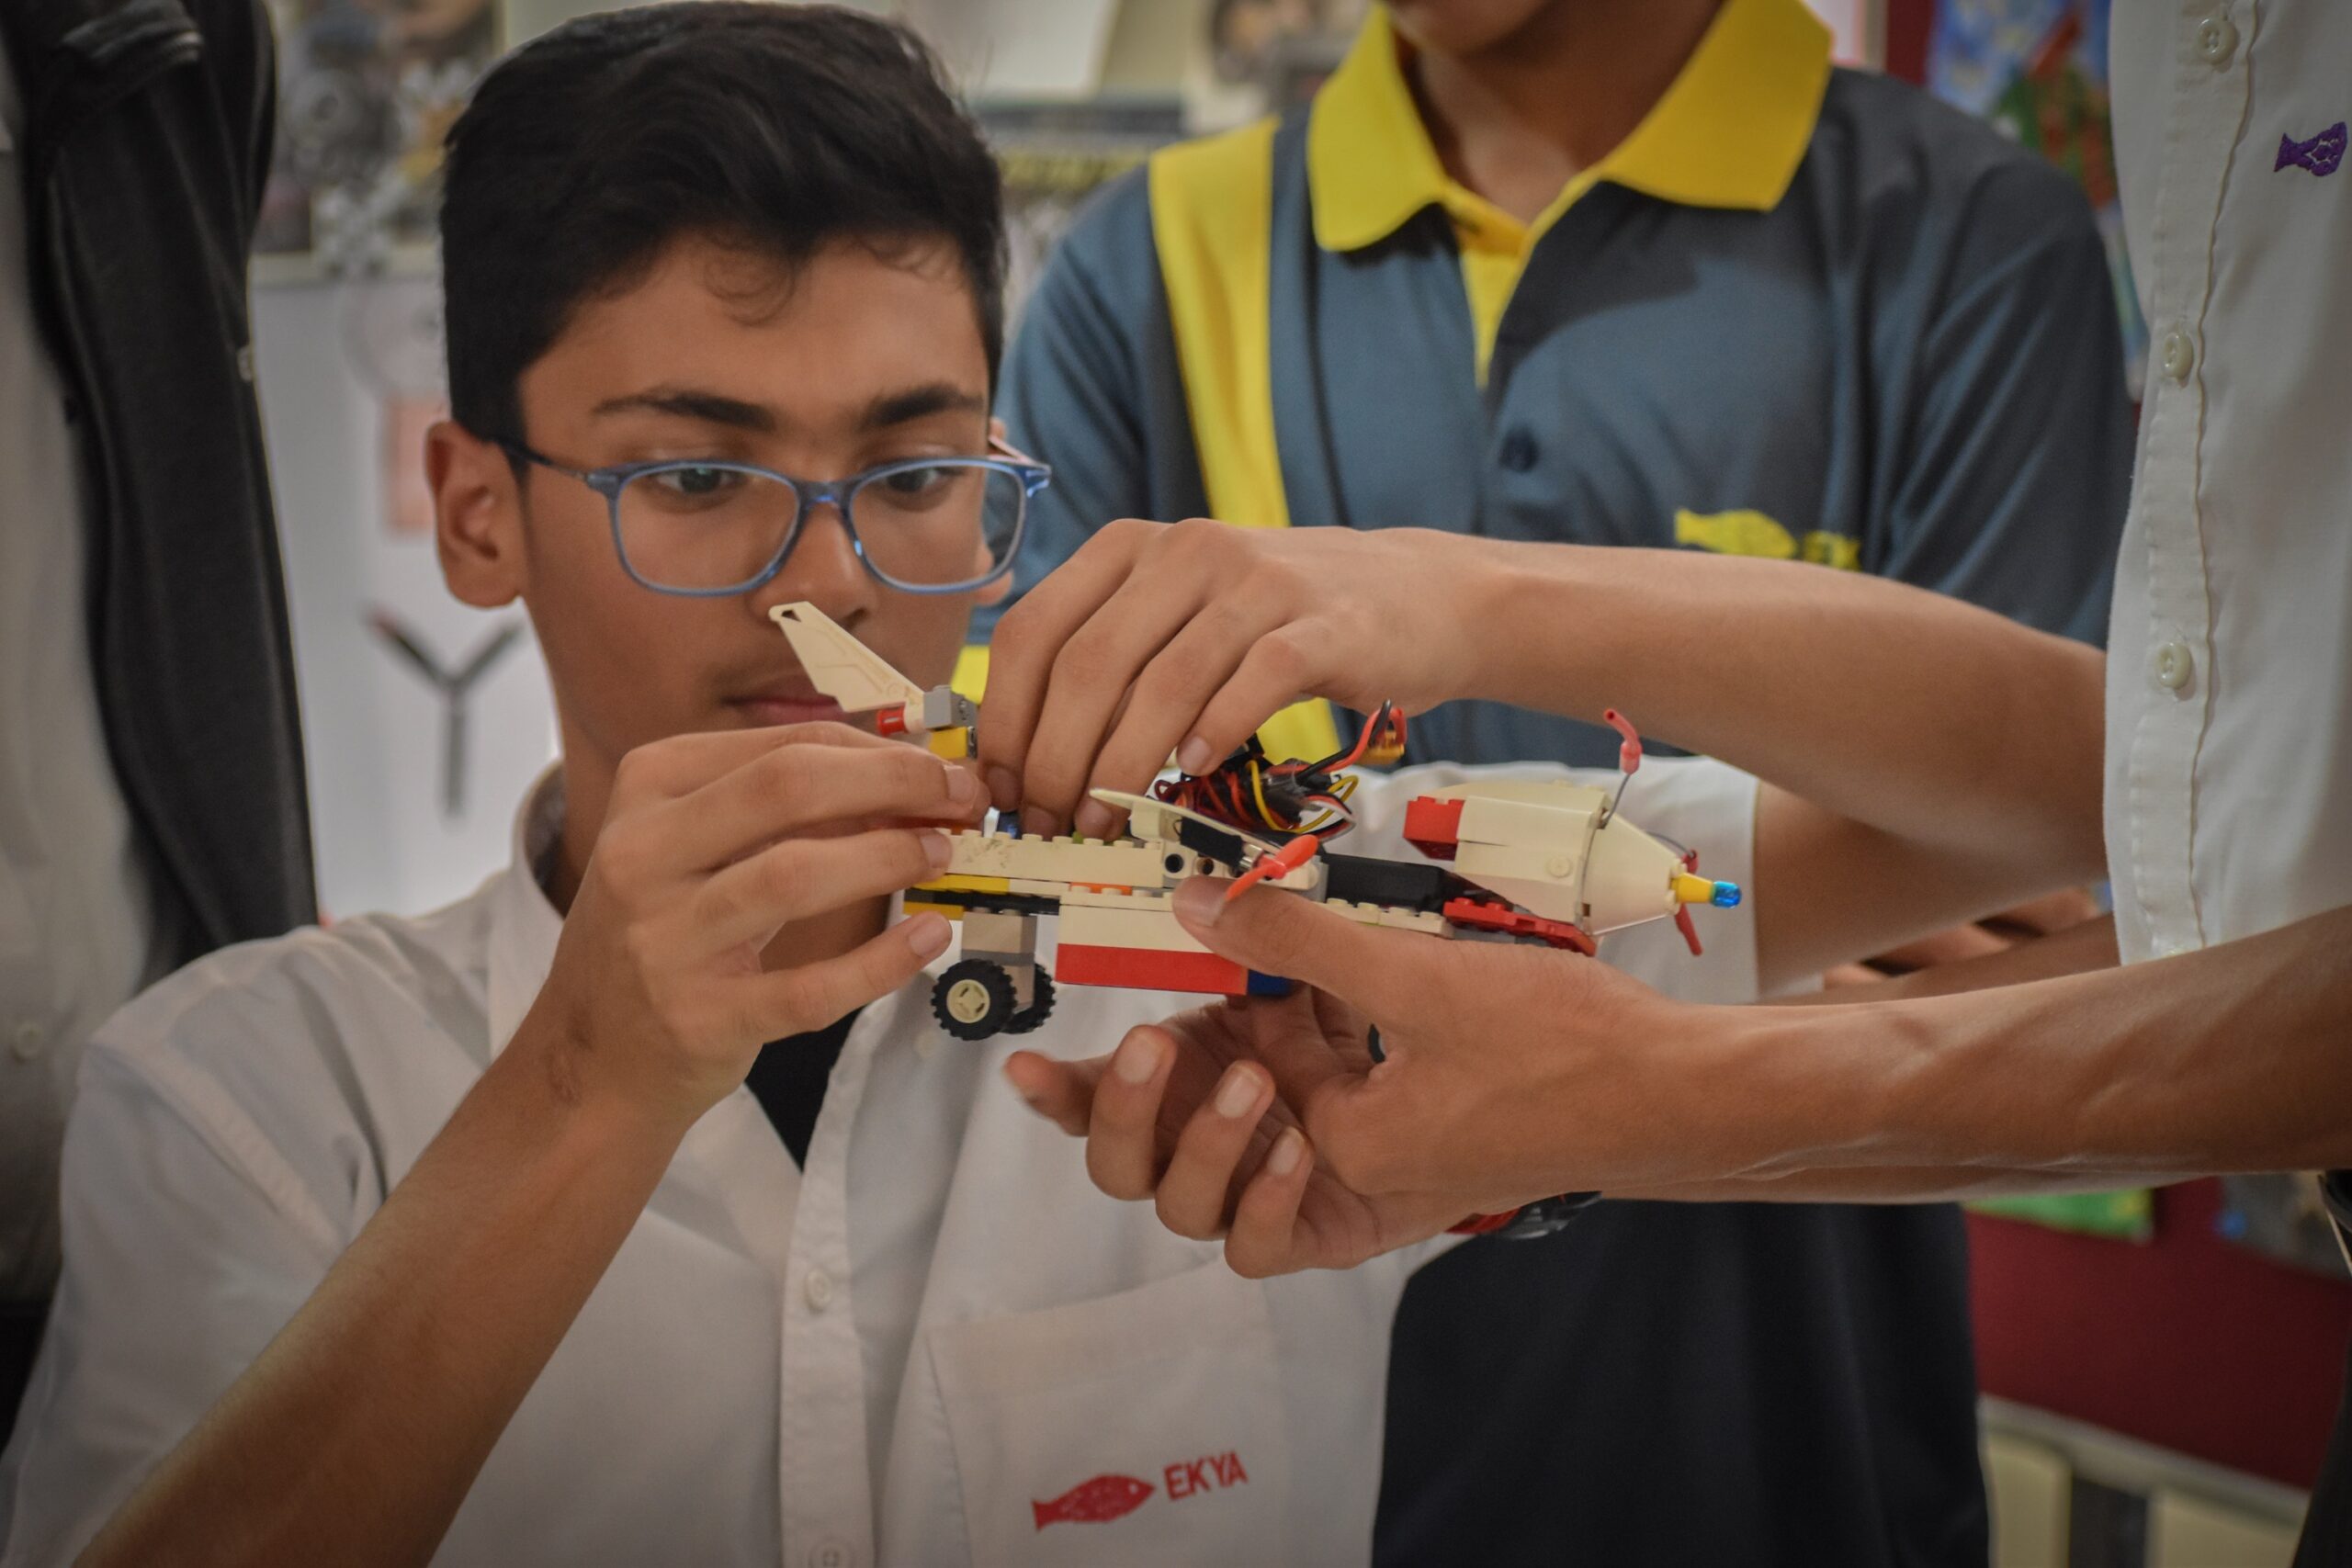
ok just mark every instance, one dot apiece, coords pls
pixel 1800 312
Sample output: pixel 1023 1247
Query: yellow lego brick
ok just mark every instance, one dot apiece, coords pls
pixel 916 907
pixel 952 744
pixel 958 883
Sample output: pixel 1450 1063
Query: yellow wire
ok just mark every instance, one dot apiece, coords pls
pixel 1258 788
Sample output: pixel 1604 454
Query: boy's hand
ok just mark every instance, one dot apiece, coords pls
pixel 1157 637
pixel 657 999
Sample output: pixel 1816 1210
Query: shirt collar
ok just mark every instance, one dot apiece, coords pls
pixel 1729 132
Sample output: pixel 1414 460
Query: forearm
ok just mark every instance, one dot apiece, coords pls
pixel 1901 709
pixel 2075 950
pixel 1897 1185
pixel 2228 1059
pixel 386 1392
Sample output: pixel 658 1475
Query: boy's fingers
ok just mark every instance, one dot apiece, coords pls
pixel 756 897
pixel 681 765
pixel 797 788
pixel 793 1001
pixel 1199 1179
pixel 1121 1138
pixel 1264 1238
pixel 1061 1092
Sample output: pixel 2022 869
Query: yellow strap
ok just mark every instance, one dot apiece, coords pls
pixel 1212 223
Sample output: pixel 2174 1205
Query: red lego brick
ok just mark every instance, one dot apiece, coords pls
pixel 1502 918
pixel 1433 825
pixel 1140 969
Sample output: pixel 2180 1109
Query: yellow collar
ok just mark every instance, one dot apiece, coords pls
pixel 1729 132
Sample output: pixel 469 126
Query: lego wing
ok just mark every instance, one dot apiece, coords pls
pixel 839 665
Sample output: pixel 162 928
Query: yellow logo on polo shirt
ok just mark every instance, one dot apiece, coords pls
pixel 1754 534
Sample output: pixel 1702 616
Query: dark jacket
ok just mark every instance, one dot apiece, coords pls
pixel 147 136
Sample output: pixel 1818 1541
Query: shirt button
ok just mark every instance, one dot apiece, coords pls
pixel 832 1554
pixel 2217 39
pixel 817 1290
pixel 1518 452
pixel 2173 664
pixel 25 1040
pixel 2180 354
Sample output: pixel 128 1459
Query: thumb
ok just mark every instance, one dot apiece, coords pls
pixel 1275 933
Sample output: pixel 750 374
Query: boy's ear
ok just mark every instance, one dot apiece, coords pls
pixel 478 515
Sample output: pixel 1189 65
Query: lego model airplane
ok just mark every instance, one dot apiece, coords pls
pixel 1527 860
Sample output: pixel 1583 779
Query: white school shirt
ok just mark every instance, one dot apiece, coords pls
pixel 938 1344
pixel 77 921
pixel 2228 694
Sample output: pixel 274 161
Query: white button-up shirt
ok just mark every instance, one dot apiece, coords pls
pixel 2229 763
pixel 937 1344
pixel 76 918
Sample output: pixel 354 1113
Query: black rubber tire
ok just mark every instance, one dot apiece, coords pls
pixel 1039 1009
pixel 991 976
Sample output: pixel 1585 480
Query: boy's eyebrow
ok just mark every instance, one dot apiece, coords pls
pixel 685 402
pixel 920 402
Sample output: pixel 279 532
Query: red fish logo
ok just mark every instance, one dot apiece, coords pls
pixel 1094 1502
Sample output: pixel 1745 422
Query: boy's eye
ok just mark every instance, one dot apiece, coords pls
pixel 910 483
pixel 697 483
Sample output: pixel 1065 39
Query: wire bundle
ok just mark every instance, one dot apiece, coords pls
pixel 1252 792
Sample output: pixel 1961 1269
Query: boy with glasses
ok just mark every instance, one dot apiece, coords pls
pixel 635 1209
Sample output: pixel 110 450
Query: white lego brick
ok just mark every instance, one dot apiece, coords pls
pixel 990 934
pixel 1532 827
pixel 1031 858
pixel 1102 899
pixel 1138 929
pixel 1525 877
pixel 1395 918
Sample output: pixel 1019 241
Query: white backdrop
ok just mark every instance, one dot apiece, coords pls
pixel 337 364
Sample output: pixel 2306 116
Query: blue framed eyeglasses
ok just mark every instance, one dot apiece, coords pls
pixel 706 528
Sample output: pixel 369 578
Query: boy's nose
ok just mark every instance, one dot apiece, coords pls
pixel 822 569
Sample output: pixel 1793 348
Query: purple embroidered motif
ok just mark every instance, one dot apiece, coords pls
pixel 2320 155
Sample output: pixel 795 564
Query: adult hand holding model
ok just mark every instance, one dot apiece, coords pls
pixel 1269 1121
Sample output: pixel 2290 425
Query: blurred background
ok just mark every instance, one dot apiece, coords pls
pixel 2159 1369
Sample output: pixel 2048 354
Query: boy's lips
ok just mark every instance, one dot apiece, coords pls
pixel 786 707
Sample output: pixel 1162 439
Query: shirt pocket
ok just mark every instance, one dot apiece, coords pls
pixel 1145 1428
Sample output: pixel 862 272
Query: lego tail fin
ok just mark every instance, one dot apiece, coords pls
pixel 839 665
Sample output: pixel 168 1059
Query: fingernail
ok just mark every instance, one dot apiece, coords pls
pixel 935 849
pixel 927 933
pixel 1094 820
pixel 1038 820
pixel 1004 789
pixel 1237 1093
pixel 1137 1059
pixel 1199 900
pixel 962 787
pixel 1283 1157
pixel 1194 756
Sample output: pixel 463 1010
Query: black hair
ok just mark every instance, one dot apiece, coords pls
pixel 771 127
